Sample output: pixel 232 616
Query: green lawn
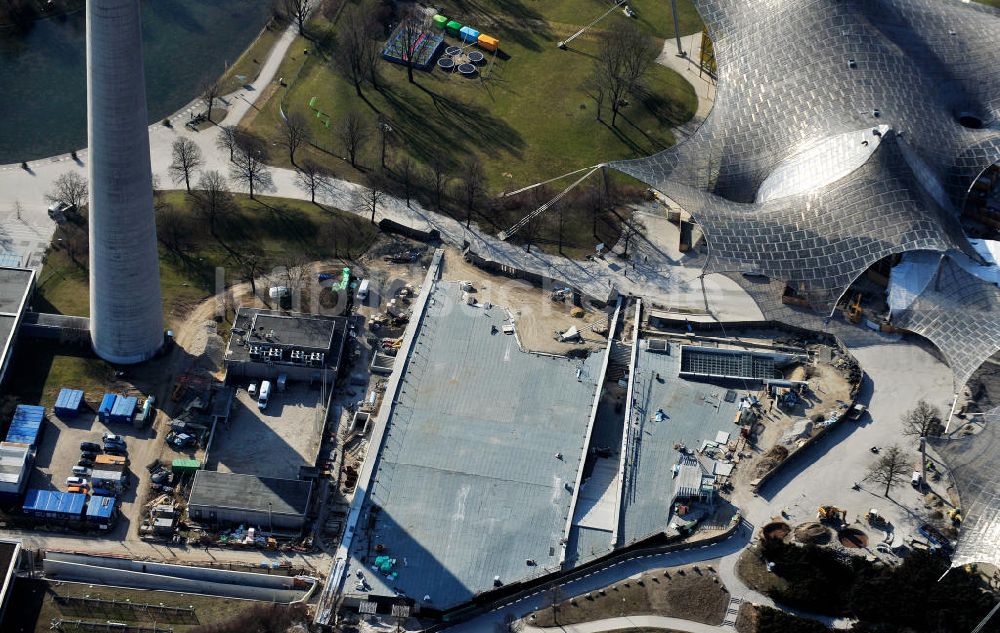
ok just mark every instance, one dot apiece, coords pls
pixel 655 15
pixel 530 120
pixel 274 227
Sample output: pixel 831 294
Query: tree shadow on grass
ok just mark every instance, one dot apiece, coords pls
pixel 450 127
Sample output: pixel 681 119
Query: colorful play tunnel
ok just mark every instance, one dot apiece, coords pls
pixel 466 33
pixel 488 43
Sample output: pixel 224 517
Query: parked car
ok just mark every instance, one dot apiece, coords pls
pixel 252 390
pixel 111 437
pixel 81 471
pixel 78 489
pixel 76 481
pixel 90 447
pixel 117 450
pixel 59 209
pixel 91 455
pixel 113 444
pixel 85 462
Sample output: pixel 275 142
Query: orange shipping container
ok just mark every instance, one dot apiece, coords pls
pixel 109 459
pixel 488 43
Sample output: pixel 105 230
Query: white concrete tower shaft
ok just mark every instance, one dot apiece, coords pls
pixel 126 314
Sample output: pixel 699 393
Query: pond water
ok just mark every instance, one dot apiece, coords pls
pixel 43 104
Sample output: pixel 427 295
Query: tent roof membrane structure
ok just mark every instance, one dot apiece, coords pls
pixel 843 132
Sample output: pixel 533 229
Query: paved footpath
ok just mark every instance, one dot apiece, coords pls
pixel 633 621
pixel 654 274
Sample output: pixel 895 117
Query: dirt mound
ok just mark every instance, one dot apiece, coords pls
pixel 813 533
pixel 770 459
pixel 853 538
pixel 776 530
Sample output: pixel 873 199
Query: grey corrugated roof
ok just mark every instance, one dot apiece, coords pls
pixel 468 482
pixel 247 492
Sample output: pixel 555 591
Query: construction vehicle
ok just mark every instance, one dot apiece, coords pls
pixel 854 309
pixel 874 518
pixel 832 514
pixel 955 514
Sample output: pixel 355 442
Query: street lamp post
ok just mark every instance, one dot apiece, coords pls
pixel 677 28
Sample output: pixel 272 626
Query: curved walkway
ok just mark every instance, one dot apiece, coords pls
pixel 630 622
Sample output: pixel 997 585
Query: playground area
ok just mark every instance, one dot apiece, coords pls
pixel 422 52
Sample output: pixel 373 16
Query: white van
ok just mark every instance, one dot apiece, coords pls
pixel 265 393
pixel 362 291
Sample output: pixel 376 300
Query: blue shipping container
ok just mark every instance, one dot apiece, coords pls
pixel 101 510
pixel 124 409
pixel 54 505
pixel 68 403
pixel 26 427
pixel 107 404
pixel 469 34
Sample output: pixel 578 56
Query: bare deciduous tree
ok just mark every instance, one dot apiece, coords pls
pixel 439 180
pixel 410 29
pixel 473 184
pixel 923 421
pixel 890 469
pixel 249 166
pixel 296 134
pixel 212 200
pixel 70 188
pixel 406 170
pixel 353 133
pixel 351 49
pixel 631 227
pixel 228 139
pixel 251 265
pixel 371 195
pixel 311 178
pixel 173 229
pixel 298 11
pixel 187 160
pixel 624 57
pixel 74 239
pixel 553 599
pixel 210 91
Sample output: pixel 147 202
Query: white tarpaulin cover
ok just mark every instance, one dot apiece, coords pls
pixel 910 276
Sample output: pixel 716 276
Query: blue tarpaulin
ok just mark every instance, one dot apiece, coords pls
pixel 54 504
pixel 68 403
pixel 26 425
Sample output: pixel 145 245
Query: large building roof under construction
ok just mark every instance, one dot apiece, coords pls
pixel 480 459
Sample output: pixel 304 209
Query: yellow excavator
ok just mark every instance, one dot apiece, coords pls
pixel 854 309
pixel 832 514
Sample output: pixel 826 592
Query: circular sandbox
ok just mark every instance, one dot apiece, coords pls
pixel 452 51
pixel 446 64
pixel 467 69
pixel 852 538
pixel 476 57
pixel 775 531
